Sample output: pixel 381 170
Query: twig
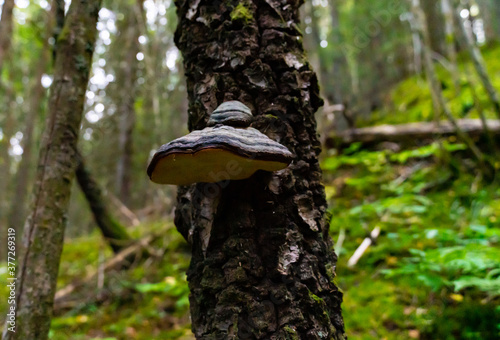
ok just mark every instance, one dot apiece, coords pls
pixel 363 247
pixel 114 262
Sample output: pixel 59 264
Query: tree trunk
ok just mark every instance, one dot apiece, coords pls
pixel 340 72
pixel 114 233
pixel 262 265
pixel 435 25
pixel 485 8
pixel 421 20
pixel 496 16
pixel 438 100
pixel 5 162
pixel 126 76
pixel 44 230
pixel 7 126
pixel 478 61
pixel 23 177
pixel 5 30
pixel 447 9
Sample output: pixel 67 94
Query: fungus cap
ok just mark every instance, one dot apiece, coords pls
pixel 232 113
pixel 216 154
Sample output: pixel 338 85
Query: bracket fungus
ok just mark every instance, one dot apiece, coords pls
pixel 228 149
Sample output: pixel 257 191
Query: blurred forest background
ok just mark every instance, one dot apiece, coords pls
pixel 426 196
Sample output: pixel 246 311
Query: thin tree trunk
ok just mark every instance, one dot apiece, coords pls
pixel 435 25
pixel 340 74
pixel 478 61
pixel 316 45
pixel 496 16
pixel 114 233
pixel 417 45
pixel 8 126
pixel 5 162
pixel 5 30
pixel 44 230
pixel 485 8
pixel 438 103
pixel 18 211
pixel 126 77
pixel 267 269
pixel 447 9
pixel 438 100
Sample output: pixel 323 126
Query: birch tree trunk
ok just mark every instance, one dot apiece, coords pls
pixel 267 270
pixel 44 229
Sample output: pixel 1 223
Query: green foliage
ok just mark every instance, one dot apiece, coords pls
pixel 410 100
pixel 150 301
pixel 241 12
pixel 438 254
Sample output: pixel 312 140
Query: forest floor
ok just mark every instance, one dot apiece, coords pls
pixel 433 273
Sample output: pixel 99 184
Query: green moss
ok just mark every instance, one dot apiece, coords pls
pixel 290 333
pixel 241 12
pixel 316 298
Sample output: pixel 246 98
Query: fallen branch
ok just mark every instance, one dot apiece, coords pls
pixel 363 247
pixel 124 210
pixel 412 131
pixel 118 261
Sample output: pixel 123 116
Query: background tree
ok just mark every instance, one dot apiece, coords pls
pixel 23 179
pixel 44 230
pixel 5 30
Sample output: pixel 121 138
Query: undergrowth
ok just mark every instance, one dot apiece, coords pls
pixel 434 271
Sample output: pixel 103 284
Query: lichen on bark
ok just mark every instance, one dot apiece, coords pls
pixel 269 252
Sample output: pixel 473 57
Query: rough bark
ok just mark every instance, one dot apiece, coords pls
pixel 36 97
pixel 477 60
pixel 44 229
pixel 262 265
pixel 114 233
pixel 126 76
pixel 5 30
